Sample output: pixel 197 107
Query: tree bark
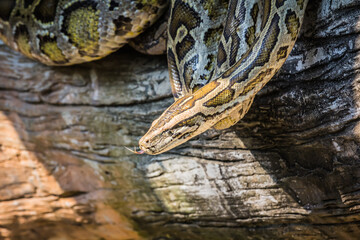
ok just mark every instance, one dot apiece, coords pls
pixel 289 170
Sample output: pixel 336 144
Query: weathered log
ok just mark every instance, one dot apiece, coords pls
pixel 289 170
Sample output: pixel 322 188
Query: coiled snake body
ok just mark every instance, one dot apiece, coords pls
pixel 220 53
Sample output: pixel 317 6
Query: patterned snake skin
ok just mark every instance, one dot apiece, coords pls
pixel 220 52
pixel 65 32
pixel 257 38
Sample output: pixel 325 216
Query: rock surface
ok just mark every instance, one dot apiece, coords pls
pixel 289 170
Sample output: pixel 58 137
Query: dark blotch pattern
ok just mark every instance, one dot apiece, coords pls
pixel 209 66
pixel 183 47
pixel 113 5
pixel 300 3
pixel 45 11
pixel 255 81
pixel 234 19
pixel 123 25
pixel 22 39
pixel 250 36
pixel 212 35
pixel 263 57
pixel 221 98
pixel 269 42
pixel 21 30
pixel 292 24
pixel 27 3
pixel 235 43
pixel 254 12
pixel 221 57
pixel 178 18
pixel 189 69
pixel 250 32
pixel 280 3
pixel 190 21
pixel 267 9
pixel 6 7
pixel 139 6
pixel 191 121
pixel 282 53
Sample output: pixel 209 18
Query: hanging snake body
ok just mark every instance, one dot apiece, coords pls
pixel 220 53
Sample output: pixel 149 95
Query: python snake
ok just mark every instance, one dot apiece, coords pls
pixel 220 52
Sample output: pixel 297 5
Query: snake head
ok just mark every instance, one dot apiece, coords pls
pixel 175 126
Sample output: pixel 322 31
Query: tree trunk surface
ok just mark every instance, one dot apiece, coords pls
pixel 289 170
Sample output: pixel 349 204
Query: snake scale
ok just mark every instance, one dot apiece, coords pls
pixel 220 52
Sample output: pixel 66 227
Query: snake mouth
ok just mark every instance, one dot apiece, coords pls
pixel 152 145
pixel 147 149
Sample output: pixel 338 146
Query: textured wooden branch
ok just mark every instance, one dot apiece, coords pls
pixel 289 170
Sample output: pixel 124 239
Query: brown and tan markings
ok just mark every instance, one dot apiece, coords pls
pixel 250 36
pixel 281 20
pixel 221 98
pixel 212 35
pixel 234 19
pixel 271 39
pixel 74 31
pixel 183 104
pixel 200 94
pixel 266 14
pixel 292 23
pixel 253 83
pixel 235 43
pixel 254 12
pixel 209 66
pixel 250 32
pixel 219 4
pixel 189 69
pixel 122 25
pixel 189 121
pixel 186 42
pixel 268 44
pixel 282 53
pixel 221 56
pixel 149 6
pixel 183 47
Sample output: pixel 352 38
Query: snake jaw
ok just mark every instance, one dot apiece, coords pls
pixel 156 141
